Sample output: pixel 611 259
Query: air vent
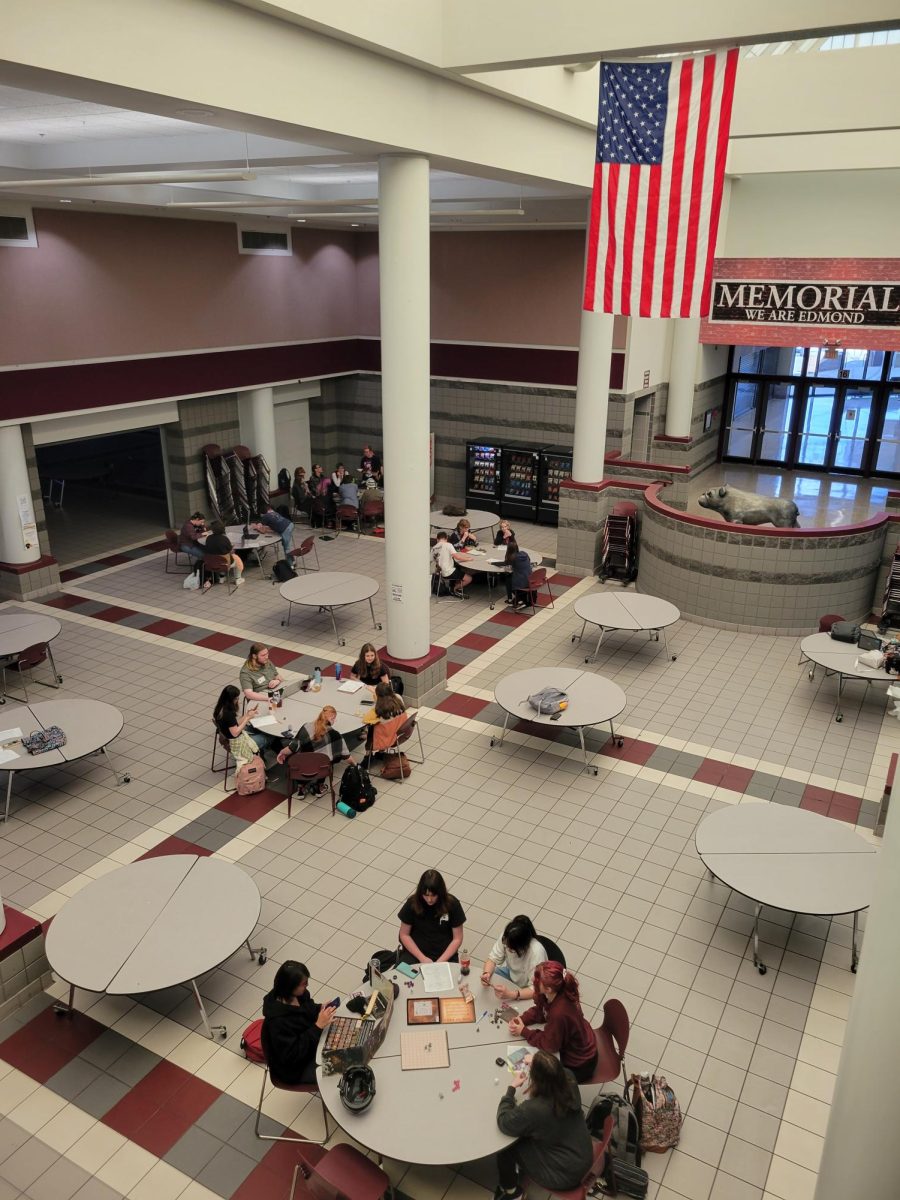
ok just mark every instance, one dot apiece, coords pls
pixel 16 229
pixel 264 241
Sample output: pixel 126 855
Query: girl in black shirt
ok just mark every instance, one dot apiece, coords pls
pixel 368 668
pixel 292 1025
pixel 431 922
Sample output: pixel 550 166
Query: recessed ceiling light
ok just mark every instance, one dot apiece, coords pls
pixel 354 224
pixel 65 201
pixel 301 220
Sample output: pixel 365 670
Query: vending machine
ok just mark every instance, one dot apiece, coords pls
pixel 483 475
pixel 519 481
pixel 556 465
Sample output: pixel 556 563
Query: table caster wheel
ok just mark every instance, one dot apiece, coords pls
pixel 493 742
pixel 283 623
pixel 620 743
pixel 126 779
pixel 674 656
pixel 839 717
pixel 379 626
pixel 59 679
pixel 224 1034
pixel 342 642
pixel 594 769
pixel 853 968
pixel 262 958
pixel 2 699
pixel 809 674
pixel 761 968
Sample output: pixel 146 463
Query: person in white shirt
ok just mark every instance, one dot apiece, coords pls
pixel 448 564
pixel 514 957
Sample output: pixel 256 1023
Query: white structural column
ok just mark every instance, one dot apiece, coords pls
pixel 257 415
pixel 682 376
pixel 404 274
pixel 861 1156
pixel 15 501
pixel 592 396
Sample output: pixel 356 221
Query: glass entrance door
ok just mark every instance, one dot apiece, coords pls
pixel 851 429
pixel 814 443
pixel 887 457
pixel 778 423
pixel 740 436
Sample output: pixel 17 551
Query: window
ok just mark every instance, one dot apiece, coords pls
pixel 17 227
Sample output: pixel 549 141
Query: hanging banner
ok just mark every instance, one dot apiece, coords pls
pixel 812 302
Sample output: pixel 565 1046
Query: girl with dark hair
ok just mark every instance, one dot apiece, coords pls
pixel 243 743
pixel 513 957
pixel 518 574
pixel 368 667
pixel 292 1025
pixel 554 1145
pixel 566 1029
pixel 431 922
pixel 387 703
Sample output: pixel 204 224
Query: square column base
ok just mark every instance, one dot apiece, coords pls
pixel 582 510
pixel 29 581
pixel 422 677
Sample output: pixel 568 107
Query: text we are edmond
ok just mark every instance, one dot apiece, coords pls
pixel 809 303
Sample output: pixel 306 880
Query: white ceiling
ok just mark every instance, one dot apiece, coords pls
pixel 33 117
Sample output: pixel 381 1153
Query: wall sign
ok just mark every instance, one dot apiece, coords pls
pixel 811 302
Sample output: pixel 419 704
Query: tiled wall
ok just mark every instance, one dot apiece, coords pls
pixel 21 972
pixel 43 580
pixel 758 581
pixel 703 448
pixel 201 420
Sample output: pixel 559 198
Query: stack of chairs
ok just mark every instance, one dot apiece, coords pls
pixel 618 558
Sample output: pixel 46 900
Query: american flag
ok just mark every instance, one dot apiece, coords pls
pixel 662 137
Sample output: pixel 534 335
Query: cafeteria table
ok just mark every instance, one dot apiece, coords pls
pixel 89 726
pixel 20 630
pixel 442 1115
pixel 477 518
pixel 629 611
pixel 328 590
pixel 789 858
pixel 489 563
pixel 252 545
pixel 593 700
pixel 156 923
pixel 301 707
pixel 839 658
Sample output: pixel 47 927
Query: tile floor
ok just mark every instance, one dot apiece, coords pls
pixel 131 1100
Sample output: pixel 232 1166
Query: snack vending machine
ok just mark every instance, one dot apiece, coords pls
pixel 483 476
pixel 556 465
pixel 519 481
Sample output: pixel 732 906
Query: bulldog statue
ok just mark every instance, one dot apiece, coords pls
pixel 748 508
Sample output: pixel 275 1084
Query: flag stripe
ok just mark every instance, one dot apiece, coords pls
pixel 730 71
pixel 634 183
pixel 590 272
pixel 647 281
pixel 674 213
pixel 695 208
pixel 611 189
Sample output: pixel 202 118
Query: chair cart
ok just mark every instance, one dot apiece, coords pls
pixel 890 607
pixel 619 554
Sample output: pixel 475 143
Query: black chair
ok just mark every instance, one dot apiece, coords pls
pixel 554 954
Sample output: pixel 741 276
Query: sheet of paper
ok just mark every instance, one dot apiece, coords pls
pixel 423 1008
pixel 265 722
pixel 437 977
pixel 8 756
pixel 351 686
pixel 10 735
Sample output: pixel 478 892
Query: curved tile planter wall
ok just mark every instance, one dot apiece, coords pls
pixel 759 579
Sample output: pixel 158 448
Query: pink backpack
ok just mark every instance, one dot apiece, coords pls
pixel 250 777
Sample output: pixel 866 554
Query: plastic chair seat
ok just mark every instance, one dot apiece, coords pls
pixel 612 1040
pixel 343 1173
pixel 308 766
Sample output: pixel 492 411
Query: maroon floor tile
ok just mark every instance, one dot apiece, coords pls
pixel 66 601
pixel 567 580
pixel 817 806
pixel 736 778
pixel 462 706
pixel 453 667
pixel 161 1132
pixel 49 1042
pixel 476 641
pixel 192 1100
pixel 218 641
pixel 282 1158
pixel 174 845
pixel 18 930
pixel 535 730
pixel 710 771
pixel 114 613
pixel 130 1113
pixel 251 808
pixel 843 814
pixel 114 560
pixel 164 627
pixel 70 574
pixel 160 1084
pixel 812 792
pixel 634 750
pixel 509 618
pixel 281 657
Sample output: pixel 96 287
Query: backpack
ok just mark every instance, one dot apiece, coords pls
pixel 284 480
pixel 250 777
pixel 658 1110
pixel 396 765
pixel 386 960
pixel 845 631
pixel 357 790
pixel 549 702
pixel 44 739
pixel 283 571
pixel 251 1042
pixel 625 1143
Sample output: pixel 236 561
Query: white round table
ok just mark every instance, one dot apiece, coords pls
pixel 839 658
pixel 625 610
pixel 440 1121
pixel 477 518
pixel 328 590
pixel 19 630
pixel 300 707
pixel 89 726
pixel 791 859
pixel 154 924
pixel 593 700
pixel 489 563
pixel 262 541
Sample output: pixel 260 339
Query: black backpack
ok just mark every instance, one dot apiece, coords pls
pixel 283 571
pixel 357 790
pixel 284 480
pixel 623 1173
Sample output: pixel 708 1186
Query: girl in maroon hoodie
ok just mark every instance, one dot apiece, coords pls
pixel 566 1029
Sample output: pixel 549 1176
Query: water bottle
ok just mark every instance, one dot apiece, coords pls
pixel 338 671
pixel 346 809
pixel 317 680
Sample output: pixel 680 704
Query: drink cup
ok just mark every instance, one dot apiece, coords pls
pixel 338 671
pixel 465 962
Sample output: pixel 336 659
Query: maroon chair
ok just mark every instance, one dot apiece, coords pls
pixel 27 660
pixel 612 1039
pixel 306 547
pixel 594 1172
pixel 310 767
pixel 346 513
pixel 306 1088
pixel 173 549
pixel 371 510
pixel 826 622
pixel 219 741
pixel 537 579
pixel 319 510
pixel 215 564
pixel 343 1173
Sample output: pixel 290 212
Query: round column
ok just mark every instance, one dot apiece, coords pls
pixel 682 376
pixel 592 396
pixel 14 483
pixel 861 1156
pixel 260 408
pixel 404 275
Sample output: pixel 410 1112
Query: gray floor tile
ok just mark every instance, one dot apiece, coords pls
pixel 61 1182
pixel 71 1080
pixel 226 1172
pixel 99 1097
pixel 133 1065
pixel 192 1152
pixel 29 1162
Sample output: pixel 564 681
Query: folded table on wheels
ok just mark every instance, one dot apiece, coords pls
pixel 630 611
pixel 839 658
pixel 328 590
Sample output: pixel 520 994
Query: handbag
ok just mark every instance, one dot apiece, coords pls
pixel 250 777
pixel 658 1111
pixel 395 766
pixel 845 631
pixel 44 739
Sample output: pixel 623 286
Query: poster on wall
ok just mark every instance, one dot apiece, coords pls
pixel 802 303
pixel 26 520
pixel 431 464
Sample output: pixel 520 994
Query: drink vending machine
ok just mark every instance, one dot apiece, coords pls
pixel 555 466
pixel 483 475
pixel 519 481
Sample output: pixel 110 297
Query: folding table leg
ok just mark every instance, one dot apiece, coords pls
pixel 757 962
pixel 375 623
pixel 209 1028
pixel 259 953
pixel 126 778
pixel 499 741
pixel 63 1008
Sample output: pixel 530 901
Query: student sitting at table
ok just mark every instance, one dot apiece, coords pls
pixel 300 492
pixel 292 1026
pixel 273 522
pixel 337 475
pixel 259 676
pixel 504 535
pixel 319 737
pixel 189 537
pixel 448 564
pixel 517 576
pixel 553 1145
pixel 243 740
pixel 349 492
pixel 566 1031
pixel 368 668
pixel 513 957
pixel 431 922
pixel 219 542
pixel 370 464
pixel 462 536
pixel 319 483
pixel 389 714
